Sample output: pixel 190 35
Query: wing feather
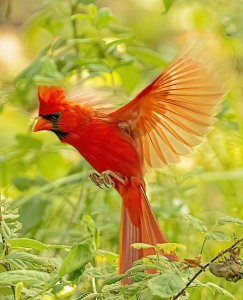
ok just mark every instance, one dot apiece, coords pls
pixel 175 112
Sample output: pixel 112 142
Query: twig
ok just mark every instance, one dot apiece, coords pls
pixel 204 267
pixel 204 241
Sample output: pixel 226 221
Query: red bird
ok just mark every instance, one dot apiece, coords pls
pixel 163 122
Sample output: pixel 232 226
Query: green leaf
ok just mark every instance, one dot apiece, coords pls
pixel 218 236
pixel 99 272
pixel 77 258
pixel 92 230
pixel 167 284
pixel 36 209
pixel 139 276
pixel 170 247
pixel 227 219
pixel 28 243
pixel 24 183
pixel 196 223
pixel 34 278
pixel 142 246
pixel 85 41
pixel 24 260
pixel 168 4
pixel 219 290
pixel 91 296
pixel 139 268
pixel 111 46
pixel 33 244
pixel 107 254
pixel 6 293
pixel 104 17
pixel 18 290
pixel 116 278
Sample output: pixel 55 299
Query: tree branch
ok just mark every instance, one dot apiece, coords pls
pixel 204 267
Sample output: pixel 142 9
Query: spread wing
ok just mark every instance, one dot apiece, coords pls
pixel 175 112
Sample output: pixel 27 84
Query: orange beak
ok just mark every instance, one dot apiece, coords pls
pixel 42 124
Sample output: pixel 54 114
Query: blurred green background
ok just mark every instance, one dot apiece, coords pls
pixel 122 44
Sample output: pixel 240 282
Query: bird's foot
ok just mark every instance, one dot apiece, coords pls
pixel 105 179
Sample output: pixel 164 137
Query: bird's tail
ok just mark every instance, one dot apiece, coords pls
pixel 138 225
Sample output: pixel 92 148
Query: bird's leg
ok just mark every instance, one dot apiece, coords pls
pixel 107 175
pixel 104 179
pixel 95 177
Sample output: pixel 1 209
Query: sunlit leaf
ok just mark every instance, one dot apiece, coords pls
pixel 169 247
pixel 142 246
pixel 18 289
pixel 66 291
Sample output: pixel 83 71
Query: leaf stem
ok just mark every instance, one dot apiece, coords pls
pixel 203 244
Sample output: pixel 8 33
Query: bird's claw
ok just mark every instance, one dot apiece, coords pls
pixel 105 179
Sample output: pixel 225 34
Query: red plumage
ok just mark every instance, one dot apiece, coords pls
pixel 164 121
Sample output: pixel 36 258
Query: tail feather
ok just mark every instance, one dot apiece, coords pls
pixel 138 225
pixel 128 234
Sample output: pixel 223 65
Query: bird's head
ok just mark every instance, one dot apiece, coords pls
pixel 56 114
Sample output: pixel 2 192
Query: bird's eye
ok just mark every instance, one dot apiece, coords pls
pixel 55 116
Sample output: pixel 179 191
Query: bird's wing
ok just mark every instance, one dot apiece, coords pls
pixel 175 112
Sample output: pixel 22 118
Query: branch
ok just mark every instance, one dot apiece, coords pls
pixel 204 267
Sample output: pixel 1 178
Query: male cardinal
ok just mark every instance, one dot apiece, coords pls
pixel 163 122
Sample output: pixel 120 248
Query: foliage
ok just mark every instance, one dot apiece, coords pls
pixel 63 240
pixel 34 275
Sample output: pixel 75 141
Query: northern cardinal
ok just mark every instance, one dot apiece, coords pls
pixel 163 122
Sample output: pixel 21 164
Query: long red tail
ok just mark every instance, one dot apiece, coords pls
pixel 138 225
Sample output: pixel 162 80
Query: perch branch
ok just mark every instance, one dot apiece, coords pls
pixel 204 267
